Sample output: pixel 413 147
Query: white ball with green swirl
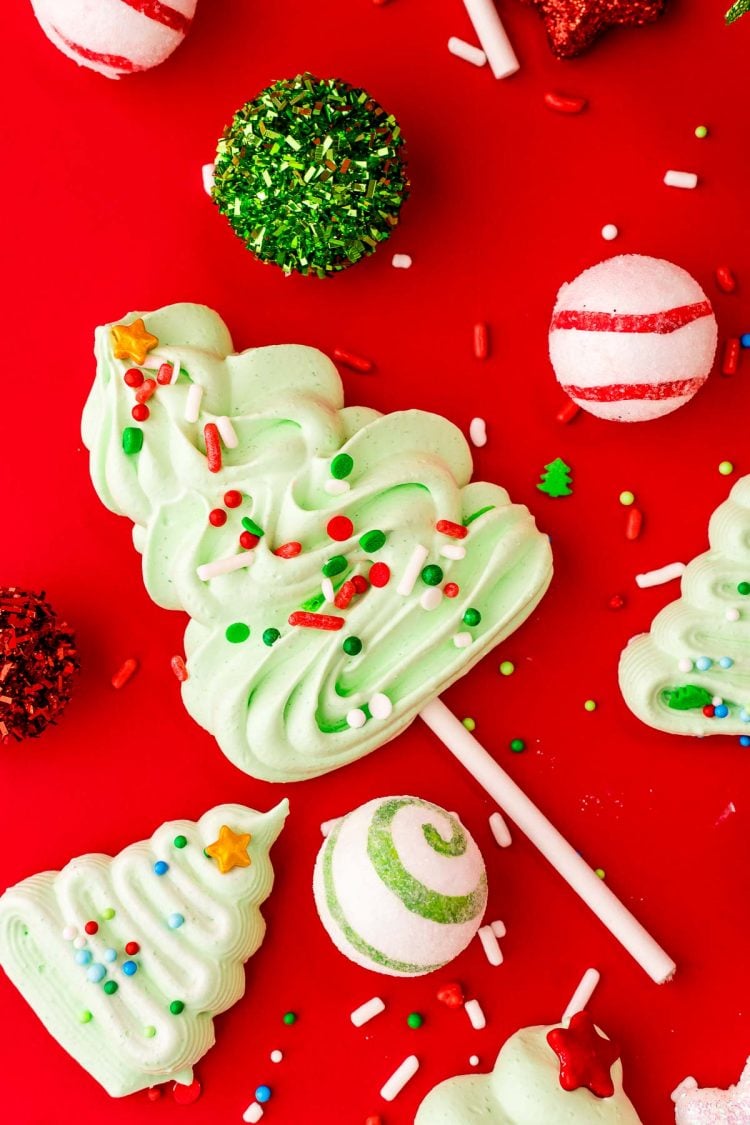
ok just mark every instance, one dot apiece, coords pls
pixel 400 886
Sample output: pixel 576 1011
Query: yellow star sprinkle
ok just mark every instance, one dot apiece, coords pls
pixel 230 850
pixel 132 341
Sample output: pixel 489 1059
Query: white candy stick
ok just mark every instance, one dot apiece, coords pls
pixel 193 402
pixel 553 846
pixel 412 571
pixel 659 577
pixel 367 1011
pixel 500 830
pixel 253 1113
pixel 490 945
pixel 399 1078
pixel 680 179
pixel 582 994
pixel 401 261
pixel 478 432
pixel 477 1018
pixel 224 566
pixel 227 432
pixel 466 51
pixel 491 34
pixel 453 551
pixel 498 928
pixel 207 175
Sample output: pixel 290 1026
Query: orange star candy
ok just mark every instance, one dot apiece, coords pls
pixel 230 850
pixel 132 341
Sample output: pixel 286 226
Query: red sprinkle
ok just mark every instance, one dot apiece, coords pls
pixel 380 574
pixel 140 412
pixel 316 620
pixel 455 530
pixel 133 377
pixel 725 279
pixel 360 583
pixel 568 412
pixel 617 601
pixel 452 995
pixel 213 446
pixel 345 595
pixel 709 711
pixel 562 104
pixel 248 540
pixel 481 341
pixel 146 389
pixel 122 676
pixel 233 498
pixel 91 927
pixel 633 524
pixel 731 358
pixel 177 665
pixel 340 528
pixel 375 1119
pixel 164 374
pixel 186 1095
pixel 288 550
pixel 350 359
pixel 132 948
pixel 217 517
pixel 451 590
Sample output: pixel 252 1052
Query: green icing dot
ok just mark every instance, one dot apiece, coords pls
pixel 352 646
pixel 290 1017
pixel 335 566
pixel 180 841
pixel 237 632
pixel 270 636
pixel 149 1031
pixel 176 1007
pixel 517 745
pixel 110 987
pixel 341 466
pixel 472 617
pixel 743 588
pixel 372 541
pixel 132 439
pixel 108 914
pixel 85 1017
pixel 252 527
pixel 432 575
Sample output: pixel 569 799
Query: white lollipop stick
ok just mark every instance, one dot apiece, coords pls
pixel 554 847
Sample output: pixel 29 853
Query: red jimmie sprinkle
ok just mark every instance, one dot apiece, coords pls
pixel 124 673
pixel 481 341
pixel 633 524
pixel 568 412
pixel 248 540
pixel 140 412
pixel 213 446
pixel 562 104
pixel 360 583
pixel 217 517
pixel 725 279
pixel 455 530
pixel 730 360
pixel 233 498
pixel 288 550
pixel 316 620
pixel 164 374
pixel 146 389
pixel 452 995
pixel 451 590
pixel 91 927
pixel 345 595
pixel 356 362
pixel 380 574
pixel 186 1095
pixel 133 377
pixel 340 528
pixel 177 664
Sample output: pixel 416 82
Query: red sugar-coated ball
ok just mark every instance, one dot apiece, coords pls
pixel 340 528
pixel 38 660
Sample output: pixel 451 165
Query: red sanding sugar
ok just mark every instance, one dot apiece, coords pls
pixel 38 660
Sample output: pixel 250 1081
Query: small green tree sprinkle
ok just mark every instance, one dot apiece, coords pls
pixel 132 439
pixel 237 632
pixel 341 466
pixel 432 575
pixel 270 636
pixel 372 541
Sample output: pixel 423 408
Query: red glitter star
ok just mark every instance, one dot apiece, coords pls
pixel 573 25
pixel 586 1057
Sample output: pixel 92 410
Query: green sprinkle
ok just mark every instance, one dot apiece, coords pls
pixel 590 705
pixel 270 636
pixel 517 745
pixel 176 1007
pixel 475 515
pixel 110 987
pixel 341 466
pixel 108 914
pixel 556 479
pixel 507 668
pixel 414 1019
pixel 314 603
pixel 627 498
pixel 237 632
pixel 149 1031
pixel 290 1017
pixel 686 697
pixel 132 439
pixel 85 1016
pixel 743 588
pixel 725 468
pixel 311 174
pixel 352 646
pixel 472 617
pixel 372 541
pixel 600 872
pixel 180 841
pixel 701 131
pixel 432 575
pixel 335 566
pixel 469 723
pixel 252 527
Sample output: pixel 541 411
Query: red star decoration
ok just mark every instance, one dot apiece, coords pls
pixel 573 25
pixel 586 1057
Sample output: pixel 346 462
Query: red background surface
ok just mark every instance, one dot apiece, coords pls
pixel 103 212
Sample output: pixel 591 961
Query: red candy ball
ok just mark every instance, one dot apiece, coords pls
pixel 248 540
pixel 217 517
pixel 380 574
pixel 233 498
pixel 132 947
pixel 340 528
pixel 140 412
pixel 91 927
pixel 133 377
pixel 451 590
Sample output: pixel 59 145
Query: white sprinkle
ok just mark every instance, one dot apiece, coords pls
pixel 224 566
pixel 193 402
pixel 69 933
pixel 401 261
pixel 462 640
pixel 336 487
pixel 207 174
pixel 609 232
pixel 356 718
pixel 399 1078
pixel 582 994
pixel 490 945
pixel 684 665
pixel 412 571
pixel 473 1060
pixel 498 928
pixel 453 551
pixel 328 592
pixel 226 432
pixel 478 432
pixel 680 179
pixel 380 705
pixel 367 1011
pixel 466 51
pixel 276 1056
pixel 431 598
pixel 475 1014
pixel 659 577
pixel 253 1113
pixel 491 34
pixel 732 615
pixel 717 700
pixel 500 830
pixel 79 943
pixel 175 371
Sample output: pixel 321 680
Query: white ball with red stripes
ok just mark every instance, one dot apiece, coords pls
pixel 115 37
pixel 632 338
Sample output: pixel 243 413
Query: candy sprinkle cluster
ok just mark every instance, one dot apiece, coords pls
pixel 311 175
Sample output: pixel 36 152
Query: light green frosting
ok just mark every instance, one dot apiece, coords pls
pixel 696 625
pixel 279 711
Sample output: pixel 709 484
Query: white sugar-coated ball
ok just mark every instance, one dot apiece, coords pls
pixel 115 37
pixel 632 338
pixel 609 232
pixel 400 886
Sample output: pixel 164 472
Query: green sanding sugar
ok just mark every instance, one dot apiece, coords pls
pixel 311 174
pixel 341 466
pixel 372 541
pixel 237 632
pixel 132 439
